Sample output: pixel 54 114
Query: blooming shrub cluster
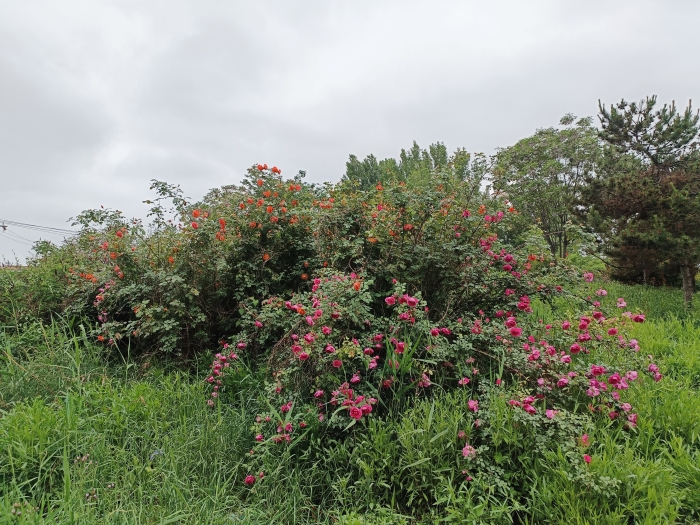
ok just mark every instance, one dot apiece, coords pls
pixel 334 368
pixel 353 305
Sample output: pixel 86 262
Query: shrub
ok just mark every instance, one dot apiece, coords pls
pixel 344 307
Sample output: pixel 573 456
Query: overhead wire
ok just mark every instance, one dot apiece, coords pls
pixel 13 239
pixel 10 232
pixel 36 227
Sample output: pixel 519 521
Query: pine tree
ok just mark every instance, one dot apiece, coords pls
pixel 645 198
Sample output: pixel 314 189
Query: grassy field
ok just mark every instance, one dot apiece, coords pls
pixel 87 440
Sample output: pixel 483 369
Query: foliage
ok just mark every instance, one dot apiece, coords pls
pixel 38 290
pixel 543 176
pixel 645 201
pixel 379 355
pixel 127 442
pixel 415 167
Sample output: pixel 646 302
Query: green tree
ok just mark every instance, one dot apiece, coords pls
pixel 543 176
pixel 414 166
pixel 645 201
pixel 368 172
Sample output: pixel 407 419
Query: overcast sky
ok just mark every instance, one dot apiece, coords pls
pixel 97 98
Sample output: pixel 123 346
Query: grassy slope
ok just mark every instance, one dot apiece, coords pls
pixel 147 432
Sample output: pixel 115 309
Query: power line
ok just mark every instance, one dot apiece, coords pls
pixel 36 227
pixel 13 239
pixel 9 232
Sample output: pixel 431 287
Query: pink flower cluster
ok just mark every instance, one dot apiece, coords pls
pixel 357 406
pixel 221 362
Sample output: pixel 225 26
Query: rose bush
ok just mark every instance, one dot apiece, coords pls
pixel 352 306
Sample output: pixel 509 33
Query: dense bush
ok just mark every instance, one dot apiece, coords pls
pixel 397 315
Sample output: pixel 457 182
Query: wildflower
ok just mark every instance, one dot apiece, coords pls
pixel 549 413
pixel 621 303
pixel 473 405
pixel 597 370
pixel 468 451
pixel 516 331
pixel 586 458
pixel 337 363
pixel 615 379
pixel 259 437
pixel 588 277
pixel 249 480
pixel 463 381
pixel 425 381
pixel 355 413
pixel 565 325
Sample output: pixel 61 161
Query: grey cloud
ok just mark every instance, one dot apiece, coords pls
pixel 96 99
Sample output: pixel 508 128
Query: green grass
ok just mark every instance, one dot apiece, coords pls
pixel 87 440
pixel 655 302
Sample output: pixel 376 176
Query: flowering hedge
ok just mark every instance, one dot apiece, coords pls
pixel 354 304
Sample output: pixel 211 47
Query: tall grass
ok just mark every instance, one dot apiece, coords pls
pixel 87 440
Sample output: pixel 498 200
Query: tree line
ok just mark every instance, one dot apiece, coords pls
pixel 630 185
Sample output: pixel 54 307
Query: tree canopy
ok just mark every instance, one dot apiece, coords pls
pixel 645 199
pixel 543 176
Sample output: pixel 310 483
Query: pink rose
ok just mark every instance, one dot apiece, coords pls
pixel 355 413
